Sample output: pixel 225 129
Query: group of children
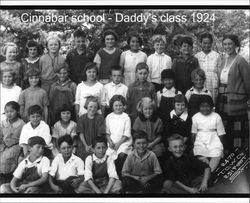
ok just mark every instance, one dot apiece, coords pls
pixel 128 124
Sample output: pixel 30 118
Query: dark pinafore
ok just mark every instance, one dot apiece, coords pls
pixel 193 103
pixel 100 173
pixel 30 174
pixel 166 106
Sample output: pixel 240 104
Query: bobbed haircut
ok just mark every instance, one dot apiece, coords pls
pixel 206 99
pixel 136 35
pixel 234 38
pixel 89 66
pixel 187 40
pixel 109 32
pixel 91 99
pixel 63 108
pixel 5 47
pixel 32 43
pixel 145 101
pixel 117 98
pixel 179 98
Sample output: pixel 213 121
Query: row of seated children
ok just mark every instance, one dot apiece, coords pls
pixel 207 144
pixel 141 172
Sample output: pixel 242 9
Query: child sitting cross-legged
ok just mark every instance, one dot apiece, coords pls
pixel 67 170
pixel 141 171
pixel 100 172
pixel 32 172
pixel 184 173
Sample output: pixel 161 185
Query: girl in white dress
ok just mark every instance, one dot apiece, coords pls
pixel 118 131
pixel 9 91
pixel 130 58
pixel 88 87
pixel 207 131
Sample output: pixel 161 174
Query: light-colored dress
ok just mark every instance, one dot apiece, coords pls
pixel 9 145
pixel 118 125
pixel 6 95
pixel 128 61
pixel 83 91
pixel 210 64
pixel 208 129
pixel 59 130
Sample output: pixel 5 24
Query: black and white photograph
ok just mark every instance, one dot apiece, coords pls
pixel 124 101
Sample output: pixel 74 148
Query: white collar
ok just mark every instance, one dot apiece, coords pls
pixel 29 61
pixel 115 85
pixel 34 162
pixel 162 54
pixel 204 90
pixel 183 116
pixel 72 158
pixel 166 90
pixel 98 160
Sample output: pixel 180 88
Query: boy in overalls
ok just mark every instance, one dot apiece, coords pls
pixel 100 172
pixel 32 172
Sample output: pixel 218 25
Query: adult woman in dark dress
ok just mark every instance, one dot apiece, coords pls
pixel 234 94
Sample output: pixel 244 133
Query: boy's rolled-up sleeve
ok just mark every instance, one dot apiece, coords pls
pixel 45 165
pixel 127 166
pixel 157 167
pixel 80 167
pixel 88 168
pixel 54 167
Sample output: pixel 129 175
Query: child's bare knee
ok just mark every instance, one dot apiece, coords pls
pixel 167 184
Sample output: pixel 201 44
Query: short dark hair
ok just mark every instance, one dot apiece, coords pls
pixel 62 108
pixel 234 38
pixel 36 140
pixel 187 40
pixel 117 98
pixel 35 109
pixel 167 73
pixel 89 66
pixel 140 135
pixel 175 136
pixel 135 35
pixel 32 43
pixel 180 98
pixel 66 138
pixel 99 139
pixel 109 32
pixel 116 68
pixel 206 99
pixel 141 66
pixel 79 33
pixel 206 35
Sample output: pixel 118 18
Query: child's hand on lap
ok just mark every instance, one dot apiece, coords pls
pixel 76 182
pixel 193 190
pixel 116 147
pixel 89 148
pixel 22 187
pixel 203 186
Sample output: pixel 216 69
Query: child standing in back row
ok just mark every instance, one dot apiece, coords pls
pixel 157 62
pixel 130 58
pixel 10 51
pixel 139 89
pixel 184 65
pixel 79 56
pixel 50 63
pixel 108 56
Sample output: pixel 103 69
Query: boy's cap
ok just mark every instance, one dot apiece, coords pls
pixel 36 140
pixel 167 73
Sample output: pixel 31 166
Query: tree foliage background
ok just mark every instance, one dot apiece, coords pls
pixel 226 21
